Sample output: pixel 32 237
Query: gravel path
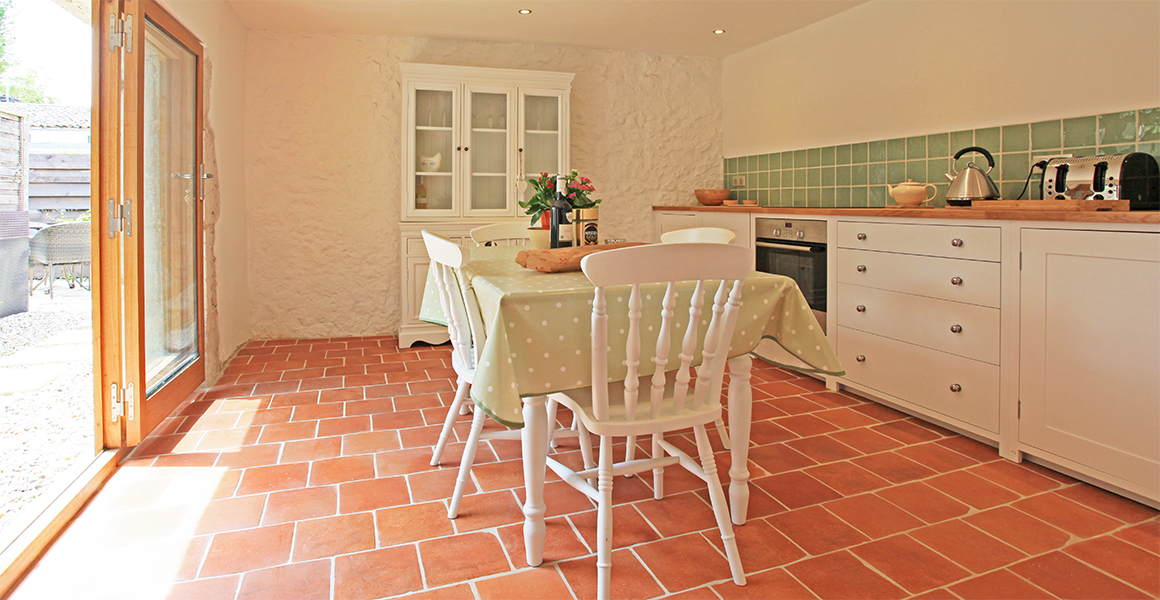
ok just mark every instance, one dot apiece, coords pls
pixel 46 435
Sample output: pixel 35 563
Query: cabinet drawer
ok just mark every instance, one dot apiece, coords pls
pixel 977 281
pixel 922 376
pixel 923 321
pixel 416 247
pixel 951 241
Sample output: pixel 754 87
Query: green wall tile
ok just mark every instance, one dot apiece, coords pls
pixel 915 170
pixel 858 153
pixel 814 197
pixel 763 179
pixel 800 160
pixel 775 161
pixel 988 138
pixel 786 197
pixel 763 162
pixel 743 164
pixel 940 200
pixel 814 156
pixel 799 178
pixel 938 144
pixel 858 175
pixel 842 197
pixel 895 172
pixel 877 151
pixel 858 197
pixel 1009 190
pixel 1079 132
pixel 1014 167
pixel 731 165
pixel 828 176
pixel 896 149
pixel 799 197
pixel 842 175
pixel 1047 135
pixel 1117 128
pixel 876 173
pixel 936 170
pixel 1118 149
pixel 775 179
pixel 1016 138
pixel 1084 151
pixel 842 154
pixel 814 177
pixel 960 140
pixel 762 198
pixel 1148 122
pixel 829 155
pixel 916 147
pixel 876 196
pixel 1152 148
pixel 828 197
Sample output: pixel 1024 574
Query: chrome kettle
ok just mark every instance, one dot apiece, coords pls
pixel 972 183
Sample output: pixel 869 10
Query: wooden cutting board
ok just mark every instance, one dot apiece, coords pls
pixel 1069 205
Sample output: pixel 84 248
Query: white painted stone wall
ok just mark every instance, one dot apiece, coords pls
pixel 323 167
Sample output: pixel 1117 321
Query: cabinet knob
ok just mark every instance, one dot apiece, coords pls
pixel 862 308
pixel 957 243
pixel 956 328
pixel 956 281
pixel 459 148
pixel 860 358
pixel 465 148
pixel 861 236
pixel 861 268
pixel 956 388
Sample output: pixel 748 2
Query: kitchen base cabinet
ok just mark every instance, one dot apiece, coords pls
pixel 740 223
pixel 1089 368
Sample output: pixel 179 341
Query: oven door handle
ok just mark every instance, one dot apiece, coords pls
pixel 789 247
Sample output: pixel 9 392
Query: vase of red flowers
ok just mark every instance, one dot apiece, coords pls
pixel 576 188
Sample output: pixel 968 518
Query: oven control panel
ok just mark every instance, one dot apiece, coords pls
pixel 781 229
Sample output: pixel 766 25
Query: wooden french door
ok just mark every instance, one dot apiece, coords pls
pixel 148 216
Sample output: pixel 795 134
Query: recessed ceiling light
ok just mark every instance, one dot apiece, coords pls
pixel 525 11
pixel 718 31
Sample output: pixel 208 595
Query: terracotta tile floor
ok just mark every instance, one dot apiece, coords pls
pixel 303 474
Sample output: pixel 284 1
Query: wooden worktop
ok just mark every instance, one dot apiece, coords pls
pixel 1141 216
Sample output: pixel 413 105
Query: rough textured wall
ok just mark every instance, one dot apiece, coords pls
pixel 323 146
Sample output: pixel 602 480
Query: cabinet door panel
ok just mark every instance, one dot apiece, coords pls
pixel 1089 379
pixel 738 223
pixel 666 222
pixel 970 281
pixel 950 241
pixel 924 321
pixel 432 141
pixel 486 150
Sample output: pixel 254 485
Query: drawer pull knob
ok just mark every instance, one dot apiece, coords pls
pixel 957 243
pixel 861 236
pixel 956 281
pixel 956 388
pixel 956 328
pixel 861 268
pixel 860 358
pixel 862 308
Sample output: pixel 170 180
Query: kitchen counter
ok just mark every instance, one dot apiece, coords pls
pixel 974 214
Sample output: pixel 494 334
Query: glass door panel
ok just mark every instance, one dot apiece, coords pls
pixel 434 150
pixel 169 208
pixel 541 131
pixel 489 151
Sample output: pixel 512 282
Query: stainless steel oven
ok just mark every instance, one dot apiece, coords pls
pixel 796 249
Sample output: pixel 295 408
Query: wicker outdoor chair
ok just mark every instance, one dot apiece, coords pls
pixel 63 245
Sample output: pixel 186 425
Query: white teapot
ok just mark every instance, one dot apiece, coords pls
pixel 430 163
pixel 911 193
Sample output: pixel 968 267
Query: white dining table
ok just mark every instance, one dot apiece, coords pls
pixel 538 343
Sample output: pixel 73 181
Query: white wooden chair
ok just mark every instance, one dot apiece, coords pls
pixel 465 328
pixel 711 235
pixel 491 235
pixel 672 401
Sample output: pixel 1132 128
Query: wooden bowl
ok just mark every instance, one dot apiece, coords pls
pixel 711 197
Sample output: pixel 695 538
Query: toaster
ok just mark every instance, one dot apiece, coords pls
pixel 1134 177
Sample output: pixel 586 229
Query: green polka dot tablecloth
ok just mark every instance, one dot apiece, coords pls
pixel 538 328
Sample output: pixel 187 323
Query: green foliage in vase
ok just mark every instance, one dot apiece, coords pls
pixel 576 189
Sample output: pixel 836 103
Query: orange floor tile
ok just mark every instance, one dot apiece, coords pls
pixel 303 473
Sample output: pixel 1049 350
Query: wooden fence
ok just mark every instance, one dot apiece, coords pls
pixel 13 162
pixel 58 182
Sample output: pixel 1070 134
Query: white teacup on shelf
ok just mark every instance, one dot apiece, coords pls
pixel 430 163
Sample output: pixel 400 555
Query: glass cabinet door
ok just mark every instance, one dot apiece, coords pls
pixel 433 151
pixel 541 147
pixel 488 151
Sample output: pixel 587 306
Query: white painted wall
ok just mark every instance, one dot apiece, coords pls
pixel 323 167
pixel 895 68
pixel 228 293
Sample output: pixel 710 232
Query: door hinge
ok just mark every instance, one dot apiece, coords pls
pixel 122 402
pixel 121 33
pixel 1019 409
pixel 121 217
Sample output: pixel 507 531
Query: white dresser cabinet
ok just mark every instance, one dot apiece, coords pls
pixel 918 320
pixel 1089 355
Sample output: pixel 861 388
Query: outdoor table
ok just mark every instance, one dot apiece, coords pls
pixel 538 342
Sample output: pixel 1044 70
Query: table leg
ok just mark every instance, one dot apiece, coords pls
pixel 534 442
pixel 740 415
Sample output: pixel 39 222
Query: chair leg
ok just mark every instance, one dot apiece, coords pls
pixel 453 412
pixel 466 463
pixel 50 273
pixel 604 522
pixel 720 508
pixel 629 451
pixel 721 431
pixel 552 407
pixel 658 473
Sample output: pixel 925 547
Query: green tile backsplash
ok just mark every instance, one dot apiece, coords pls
pixel 853 175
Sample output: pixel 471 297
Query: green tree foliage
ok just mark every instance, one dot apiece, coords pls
pixel 26 87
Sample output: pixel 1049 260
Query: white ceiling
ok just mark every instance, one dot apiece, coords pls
pixel 660 26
